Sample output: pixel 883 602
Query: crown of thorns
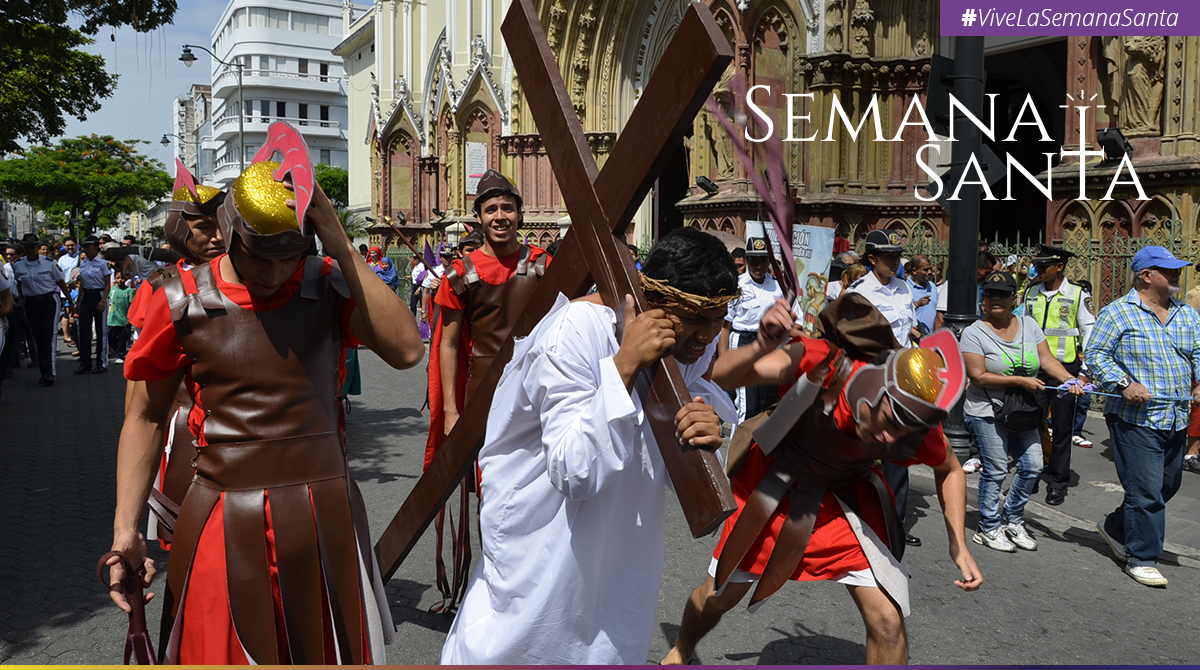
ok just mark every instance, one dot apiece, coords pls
pixel 673 297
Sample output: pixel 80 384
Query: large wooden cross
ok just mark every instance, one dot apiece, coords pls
pixel 600 203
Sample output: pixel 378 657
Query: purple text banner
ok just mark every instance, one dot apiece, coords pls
pixel 1019 18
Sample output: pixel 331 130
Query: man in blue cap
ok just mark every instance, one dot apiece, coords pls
pixel 1145 347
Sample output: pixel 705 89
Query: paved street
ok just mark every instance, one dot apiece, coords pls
pixel 1066 603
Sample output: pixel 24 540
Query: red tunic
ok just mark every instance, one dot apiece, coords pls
pixel 833 548
pixel 141 300
pixel 207 635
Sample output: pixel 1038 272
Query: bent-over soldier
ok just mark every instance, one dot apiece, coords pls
pixel 812 504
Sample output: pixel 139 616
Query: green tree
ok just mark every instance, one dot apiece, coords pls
pixel 44 73
pixel 351 223
pixel 93 173
pixel 335 182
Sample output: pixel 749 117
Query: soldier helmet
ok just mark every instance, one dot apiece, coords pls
pixel 256 210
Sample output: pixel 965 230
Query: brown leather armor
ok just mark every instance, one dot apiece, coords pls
pixel 820 454
pixel 492 309
pixel 269 386
pixel 178 476
pixel 814 457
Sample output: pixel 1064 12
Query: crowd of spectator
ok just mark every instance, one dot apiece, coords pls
pixel 1036 357
pixel 52 289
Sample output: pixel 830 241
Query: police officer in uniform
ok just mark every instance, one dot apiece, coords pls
pixel 37 277
pixel 94 283
pixel 18 327
pixel 1062 309
pixel 892 296
pixel 759 291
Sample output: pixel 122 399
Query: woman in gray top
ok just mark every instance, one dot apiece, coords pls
pixel 1004 352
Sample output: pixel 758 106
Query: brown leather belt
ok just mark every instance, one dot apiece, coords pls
pixel 292 460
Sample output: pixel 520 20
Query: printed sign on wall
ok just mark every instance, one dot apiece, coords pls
pixel 476 164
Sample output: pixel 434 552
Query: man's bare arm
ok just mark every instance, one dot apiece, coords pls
pixel 381 319
pixel 448 364
pixel 951 483
pixel 762 361
pixel 138 455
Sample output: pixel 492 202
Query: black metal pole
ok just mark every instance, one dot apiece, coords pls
pixel 963 301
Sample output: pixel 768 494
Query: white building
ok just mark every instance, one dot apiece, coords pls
pixel 192 127
pixel 288 74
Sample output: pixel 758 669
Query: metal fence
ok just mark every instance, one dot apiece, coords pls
pixel 400 256
pixel 1105 263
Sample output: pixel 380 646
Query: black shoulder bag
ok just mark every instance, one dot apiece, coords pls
pixel 1022 410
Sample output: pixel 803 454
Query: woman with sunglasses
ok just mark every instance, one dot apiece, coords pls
pixel 1003 352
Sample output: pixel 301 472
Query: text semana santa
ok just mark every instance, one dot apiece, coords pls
pixel 972 173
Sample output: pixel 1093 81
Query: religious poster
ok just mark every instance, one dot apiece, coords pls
pixel 812 249
pixel 476 164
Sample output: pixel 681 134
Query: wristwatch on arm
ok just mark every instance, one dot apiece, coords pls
pixel 1124 383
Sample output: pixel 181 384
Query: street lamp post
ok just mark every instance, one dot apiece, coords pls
pixel 72 221
pixel 167 142
pixel 188 58
pixel 963 299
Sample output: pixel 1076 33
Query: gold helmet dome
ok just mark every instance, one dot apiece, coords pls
pixel 262 201
pixel 256 210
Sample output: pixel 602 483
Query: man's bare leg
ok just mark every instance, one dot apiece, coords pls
pixel 701 614
pixel 887 640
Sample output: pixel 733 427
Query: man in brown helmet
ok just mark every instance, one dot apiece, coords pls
pixel 271 559
pixel 481 297
pixel 812 504
pixel 192 232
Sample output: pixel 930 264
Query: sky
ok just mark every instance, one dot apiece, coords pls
pixel 151 77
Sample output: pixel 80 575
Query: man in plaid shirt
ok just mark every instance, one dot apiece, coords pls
pixel 1146 347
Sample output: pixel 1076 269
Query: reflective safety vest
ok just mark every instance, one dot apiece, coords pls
pixel 1059 318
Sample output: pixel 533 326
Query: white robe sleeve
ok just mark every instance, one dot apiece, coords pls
pixel 589 425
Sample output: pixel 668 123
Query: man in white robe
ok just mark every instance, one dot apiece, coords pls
pixel 574 488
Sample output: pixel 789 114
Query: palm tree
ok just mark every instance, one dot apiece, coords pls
pixel 352 223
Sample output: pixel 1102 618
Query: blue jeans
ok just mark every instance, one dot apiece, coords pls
pixel 1150 465
pixel 995 444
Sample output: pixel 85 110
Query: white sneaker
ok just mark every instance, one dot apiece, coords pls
pixel 972 466
pixel 1076 439
pixel 995 539
pixel 1118 549
pixel 1019 536
pixel 1146 575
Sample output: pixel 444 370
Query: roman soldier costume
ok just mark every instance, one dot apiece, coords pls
pixel 193 200
pixel 271 558
pixel 804 479
pixel 489 312
pixel 492 309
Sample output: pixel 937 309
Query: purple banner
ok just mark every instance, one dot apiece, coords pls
pixel 1069 17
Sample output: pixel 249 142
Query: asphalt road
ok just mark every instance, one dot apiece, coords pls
pixel 1068 602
